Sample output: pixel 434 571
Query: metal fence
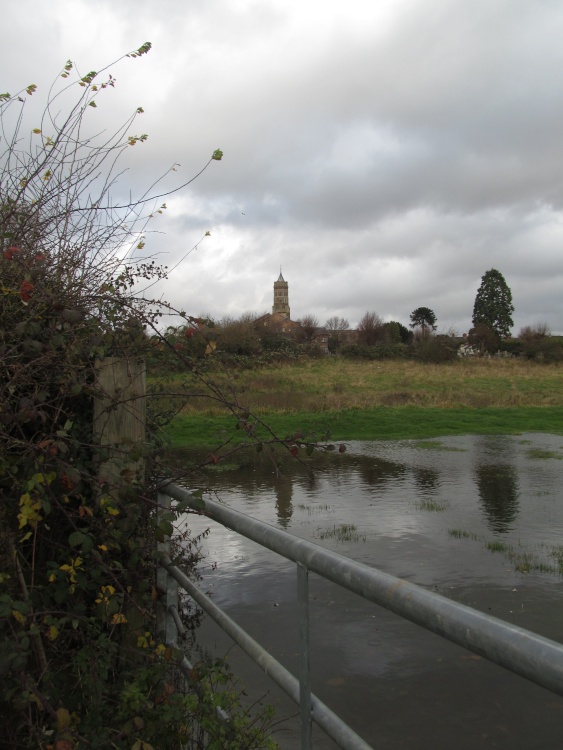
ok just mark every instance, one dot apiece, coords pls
pixel 527 654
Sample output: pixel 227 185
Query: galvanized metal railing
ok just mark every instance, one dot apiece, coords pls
pixel 527 654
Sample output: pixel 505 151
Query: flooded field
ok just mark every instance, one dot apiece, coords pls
pixel 478 519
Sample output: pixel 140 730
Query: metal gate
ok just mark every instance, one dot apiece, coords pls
pixel 527 654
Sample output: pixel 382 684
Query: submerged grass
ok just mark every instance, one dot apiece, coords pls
pixel 462 534
pixel 525 561
pixel 345 532
pixel 543 454
pixel 432 505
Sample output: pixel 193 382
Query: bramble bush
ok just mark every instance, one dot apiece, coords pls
pixel 80 662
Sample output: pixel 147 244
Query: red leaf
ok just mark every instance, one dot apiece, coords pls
pixel 26 288
pixel 294 451
pixel 341 448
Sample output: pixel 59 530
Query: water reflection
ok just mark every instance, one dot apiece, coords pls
pixel 427 481
pixel 405 499
pixel 284 493
pixel 498 492
pixel 426 514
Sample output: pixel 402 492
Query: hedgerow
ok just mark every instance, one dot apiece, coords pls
pixel 81 665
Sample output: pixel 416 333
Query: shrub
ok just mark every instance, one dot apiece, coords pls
pixel 382 351
pixel 80 661
pixel 436 349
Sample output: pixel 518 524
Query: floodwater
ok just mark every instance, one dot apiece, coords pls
pixel 478 519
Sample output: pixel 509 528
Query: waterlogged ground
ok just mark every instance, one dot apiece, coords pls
pixel 478 519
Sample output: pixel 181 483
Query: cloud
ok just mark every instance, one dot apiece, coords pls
pixel 385 154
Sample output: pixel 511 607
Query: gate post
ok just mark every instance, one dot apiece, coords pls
pixel 304 673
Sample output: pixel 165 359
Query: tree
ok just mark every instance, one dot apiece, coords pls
pixel 336 327
pixel 493 304
pixel 337 324
pixel 309 324
pixel 370 329
pixel 424 318
pixel 483 338
pixel 398 333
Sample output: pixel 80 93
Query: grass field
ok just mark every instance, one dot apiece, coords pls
pixel 380 400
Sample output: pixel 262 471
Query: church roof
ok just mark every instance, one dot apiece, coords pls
pixel 281 278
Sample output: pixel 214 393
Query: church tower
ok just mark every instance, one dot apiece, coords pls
pixel 281 297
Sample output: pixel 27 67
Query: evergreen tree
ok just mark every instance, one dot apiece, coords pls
pixel 493 304
pixel 423 317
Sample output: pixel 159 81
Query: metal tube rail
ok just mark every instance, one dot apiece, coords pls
pixel 532 656
pixel 340 732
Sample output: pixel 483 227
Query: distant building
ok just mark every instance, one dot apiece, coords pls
pixel 281 298
pixel 279 321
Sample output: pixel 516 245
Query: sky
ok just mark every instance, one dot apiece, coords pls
pixel 384 154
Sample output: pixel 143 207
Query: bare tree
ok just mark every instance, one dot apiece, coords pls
pixel 535 332
pixel 309 324
pixel 370 329
pixel 337 324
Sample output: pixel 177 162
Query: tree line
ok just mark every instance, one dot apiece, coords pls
pixel 374 338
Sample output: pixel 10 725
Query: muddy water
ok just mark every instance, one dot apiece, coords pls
pixel 478 519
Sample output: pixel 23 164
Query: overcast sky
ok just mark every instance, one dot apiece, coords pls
pixel 385 153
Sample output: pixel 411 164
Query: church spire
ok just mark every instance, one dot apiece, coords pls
pixel 281 297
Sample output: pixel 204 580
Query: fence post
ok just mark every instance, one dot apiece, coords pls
pixel 167 587
pixel 120 418
pixel 304 673
pixel 119 421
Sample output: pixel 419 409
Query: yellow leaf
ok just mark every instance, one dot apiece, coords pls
pixel 18 616
pixel 63 719
pixel 36 131
pixel 52 633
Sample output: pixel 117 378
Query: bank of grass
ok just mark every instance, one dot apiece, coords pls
pixel 384 400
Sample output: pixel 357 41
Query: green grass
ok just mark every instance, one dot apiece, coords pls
pixel 387 400
pixel 383 423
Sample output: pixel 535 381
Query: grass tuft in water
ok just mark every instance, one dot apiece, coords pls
pixel 346 532
pixel 528 562
pixel 557 553
pixel 432 505
pixel 462 534
pixel 311 509
pixel 544 454
pixel 498 547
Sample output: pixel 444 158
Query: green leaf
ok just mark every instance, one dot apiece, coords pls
pixel 217 154
pixel 88 543
pixel 76 538
pixel 166 528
